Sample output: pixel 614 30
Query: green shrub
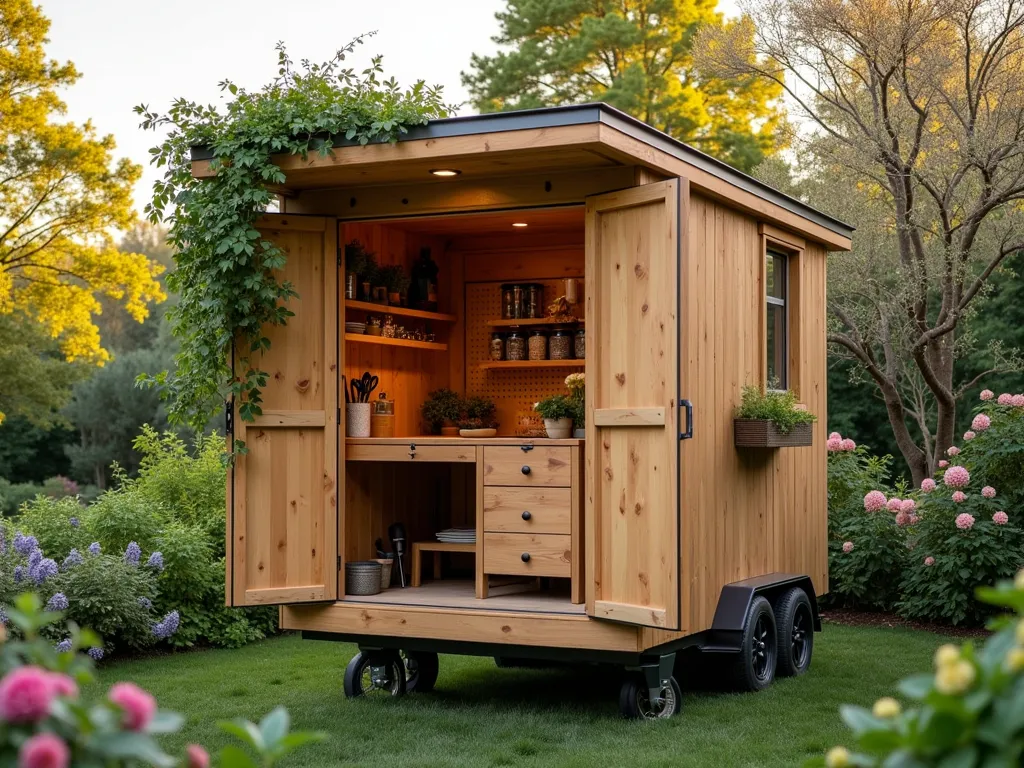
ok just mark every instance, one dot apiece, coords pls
pixel 56 524
pixel 14 495
pixel 121 516
pixel 776 406
pixel 852 472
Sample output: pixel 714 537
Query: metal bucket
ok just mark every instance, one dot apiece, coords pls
pixel 362 578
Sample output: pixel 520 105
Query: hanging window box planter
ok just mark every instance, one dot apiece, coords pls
pixel 763 433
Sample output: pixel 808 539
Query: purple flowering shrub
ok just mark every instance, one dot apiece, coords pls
pixel 50 521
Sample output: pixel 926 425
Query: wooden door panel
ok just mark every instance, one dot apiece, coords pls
pixel 632 509
pixel 283 521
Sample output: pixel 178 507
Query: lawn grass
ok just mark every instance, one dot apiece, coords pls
pixel 484 716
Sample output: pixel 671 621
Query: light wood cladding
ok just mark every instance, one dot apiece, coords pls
pixel 283 516
pixel 632 513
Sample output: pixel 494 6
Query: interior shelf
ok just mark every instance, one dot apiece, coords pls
pixel 368 306
pixel 363 338
pixel 491 365
pixel 528 321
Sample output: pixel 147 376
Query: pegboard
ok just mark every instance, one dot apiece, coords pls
pixel 513 391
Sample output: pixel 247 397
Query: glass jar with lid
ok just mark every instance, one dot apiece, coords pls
pixel 538 345
pixel 533 300
pixel 580 346
pixel 515 346
pixel 496 348
pixel 507 301
pixel 560 344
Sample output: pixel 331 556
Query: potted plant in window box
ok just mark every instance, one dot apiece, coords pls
pixel 557 412
pixel 441 410
pixel 477 418
pixel 771 419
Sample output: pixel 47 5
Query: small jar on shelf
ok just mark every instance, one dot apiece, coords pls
pixel 515 346
pixel 496 349
pixel 580 345
pixel 560 344
pixel 538 345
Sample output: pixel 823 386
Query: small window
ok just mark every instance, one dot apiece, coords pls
pixel 777 338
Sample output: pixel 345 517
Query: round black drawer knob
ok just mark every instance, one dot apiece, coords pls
pixel 527 515
pixel 526 469
pixel 526 557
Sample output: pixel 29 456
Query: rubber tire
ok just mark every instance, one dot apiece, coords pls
pixel 786 608
pixel 354 671
pixel 743 676
pixel 634 692
pixel 423 678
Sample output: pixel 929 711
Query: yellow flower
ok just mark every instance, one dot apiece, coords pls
pixel 953 679
pixel 837 757
pixel 946 655
pixel 886 707
pixel 1015 660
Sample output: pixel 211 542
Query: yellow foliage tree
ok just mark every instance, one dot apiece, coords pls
pixel 61 198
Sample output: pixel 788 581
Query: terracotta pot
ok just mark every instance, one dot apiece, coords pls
pixel 395 299
pixel 449 431
pixel 558 429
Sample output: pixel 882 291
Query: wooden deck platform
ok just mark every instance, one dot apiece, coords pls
pixel 459 593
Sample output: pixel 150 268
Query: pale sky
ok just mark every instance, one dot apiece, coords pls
pixel 152 51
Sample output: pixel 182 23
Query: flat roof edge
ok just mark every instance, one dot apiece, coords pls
pixel 582 114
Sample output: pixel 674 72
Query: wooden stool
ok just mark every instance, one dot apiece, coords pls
pixel 437 547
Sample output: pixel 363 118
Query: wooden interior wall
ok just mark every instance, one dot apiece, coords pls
pixel 744 512
pixel 489 263
pixel 406 375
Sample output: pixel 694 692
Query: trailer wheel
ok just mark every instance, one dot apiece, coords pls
pixel 635 702
pixel 795 621
pixel 421 670
pixel 375 673
pixel 754 668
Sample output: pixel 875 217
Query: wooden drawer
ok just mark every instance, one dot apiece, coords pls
pixel 527 510
pixel 411 452
pixel 511 465
pixel 549 554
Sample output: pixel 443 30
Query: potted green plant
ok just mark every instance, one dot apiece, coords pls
pixel 477 419
pixel 361 268
pixel 577 384
pixel 441 410
pixel 393 278
pixel 557 412
pixel 771 419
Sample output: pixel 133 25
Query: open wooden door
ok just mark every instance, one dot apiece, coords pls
pixel 632 481
pixel 283 493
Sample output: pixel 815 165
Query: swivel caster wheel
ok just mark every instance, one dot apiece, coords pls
pixel 375 673
pixel 635 700
pixel 421 669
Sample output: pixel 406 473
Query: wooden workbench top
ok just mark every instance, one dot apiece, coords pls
pixel 436 440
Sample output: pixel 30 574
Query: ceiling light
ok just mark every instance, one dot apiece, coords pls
pixel 445 171
pixel 520 224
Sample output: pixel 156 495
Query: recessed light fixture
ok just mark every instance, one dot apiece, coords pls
pixel 445 171
pixel 520 224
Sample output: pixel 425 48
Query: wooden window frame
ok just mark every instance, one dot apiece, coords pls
pixel 792 247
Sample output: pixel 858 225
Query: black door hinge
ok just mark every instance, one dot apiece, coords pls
pixel 339 562
pixel 341 256
pixel 229 418
pixel 689 420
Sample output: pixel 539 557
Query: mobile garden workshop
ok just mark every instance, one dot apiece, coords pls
pixel 652 537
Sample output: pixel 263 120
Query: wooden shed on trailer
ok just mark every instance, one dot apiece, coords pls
pixel 652 533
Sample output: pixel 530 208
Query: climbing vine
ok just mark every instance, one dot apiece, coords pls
pixel 227 275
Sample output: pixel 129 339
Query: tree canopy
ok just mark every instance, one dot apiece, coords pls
pixel 636 56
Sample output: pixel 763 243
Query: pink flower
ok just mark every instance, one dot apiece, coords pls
pixel 908 505
pixel 959 497
pixel 964 521
pixel 981 423
pixel 894 505
pixel 1000 518
pixel 943 464
pixel 903 519
pixel 848 445
pixel 988 492
pixel 953 450
pixel 956 477
pixel 834 444
pixel 847 547
pixel 929 560
pixel 26 694
pixel 987 394
pixel 927 485
pixel 969 435
pixel 874 501
pixel 137 705
pixel 197 756
pixel 44 750
pixel 1005 399
pixel 63 685
pixel 914 518
pixel 1017 400
pixel 835 436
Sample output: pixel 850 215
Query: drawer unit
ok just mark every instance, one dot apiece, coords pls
pixel 511 465
pixel 527 554
pixel 410 451
pixel 509 509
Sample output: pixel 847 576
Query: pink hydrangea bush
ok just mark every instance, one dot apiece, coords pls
pixel 875 501
pixel 956 477
pixel 959 497
pixel 44 723
pixel 927 485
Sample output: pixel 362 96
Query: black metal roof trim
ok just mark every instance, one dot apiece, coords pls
pixel 582 114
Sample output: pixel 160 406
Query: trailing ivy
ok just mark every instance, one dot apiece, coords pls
pixel 228 275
